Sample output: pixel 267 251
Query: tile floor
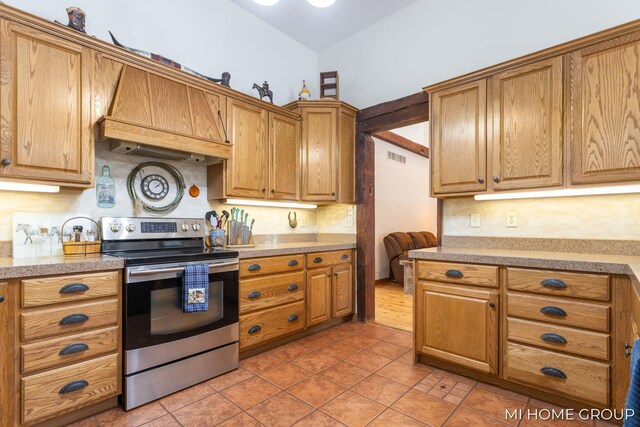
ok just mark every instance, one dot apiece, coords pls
pixel 352 374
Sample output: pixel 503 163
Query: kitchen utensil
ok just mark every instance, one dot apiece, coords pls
pixel 225 217
pixel 233 228
pixel 246 234
pixel 208 216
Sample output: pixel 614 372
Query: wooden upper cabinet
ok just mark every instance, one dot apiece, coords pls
pixel 319 154
pixel 245 170
pixel 45 107
pixel 605 112
pixel 458 139
pixel 284 157
pixel 525 126
pixel 347 156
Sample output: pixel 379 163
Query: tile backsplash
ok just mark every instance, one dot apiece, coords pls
pixel 328 219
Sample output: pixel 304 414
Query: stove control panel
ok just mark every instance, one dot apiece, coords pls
pixel 151 228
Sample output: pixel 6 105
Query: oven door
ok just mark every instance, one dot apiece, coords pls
pixel 153 312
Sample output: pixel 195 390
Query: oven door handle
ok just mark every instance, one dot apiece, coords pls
pixel 177 269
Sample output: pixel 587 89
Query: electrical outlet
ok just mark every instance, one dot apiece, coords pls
pixel 474 220
pixel 303 222
pixel 512 219
pixel 348 221
pixel 350 210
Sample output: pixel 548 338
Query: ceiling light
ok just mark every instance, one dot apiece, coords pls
pixel 267 2
pixel 565 192
pixel 21 186
pixel 243 202
pixel 320 3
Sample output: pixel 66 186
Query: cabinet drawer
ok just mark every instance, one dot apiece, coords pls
pixel 468 274
pixel 324 259
pixel 53 290
pixel 576 285
pixel 554 337
pixel 81 317
pixel 560 311
pixel 280 264
pixel 268 291
pixel 63 351
pixel 581 379
pixel 266 325
pixel 52 392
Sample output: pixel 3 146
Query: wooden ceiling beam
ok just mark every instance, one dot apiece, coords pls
pixel 405 111
pixel 402 142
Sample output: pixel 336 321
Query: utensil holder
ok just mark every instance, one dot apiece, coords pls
pixel 218 238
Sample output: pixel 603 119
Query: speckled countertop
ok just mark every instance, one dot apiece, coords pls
pixel 597 263
pixel 11 268
pixel 274 249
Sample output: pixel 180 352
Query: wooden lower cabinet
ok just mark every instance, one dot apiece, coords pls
pixel 458 324
pixel 342 290
pixel 318 296
pixel 266 325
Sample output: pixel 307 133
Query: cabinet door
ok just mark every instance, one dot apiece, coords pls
pixel 318 296
pixel 342 292
pixel 605 112
pixel 319 151
pixel 458 139
pixel 7 365
pixel 45 107
pixel 347 157
pixel 284 156
pixel 246 169
pixel 459 325
pixel 526 132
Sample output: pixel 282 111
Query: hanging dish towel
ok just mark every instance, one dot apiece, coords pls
pixel 195 288
pixel 633 394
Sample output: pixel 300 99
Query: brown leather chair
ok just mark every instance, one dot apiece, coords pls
pixel 398 245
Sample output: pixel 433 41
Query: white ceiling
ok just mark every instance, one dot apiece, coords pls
pixel 319 28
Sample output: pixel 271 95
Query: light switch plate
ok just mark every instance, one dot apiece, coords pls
pixel 474 220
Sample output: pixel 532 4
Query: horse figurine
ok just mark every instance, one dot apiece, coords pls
pixel 264 91
pixel 28 231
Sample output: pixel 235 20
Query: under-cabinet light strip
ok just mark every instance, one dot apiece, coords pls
pixel 565 192
pixel 243 202
pixel 22 186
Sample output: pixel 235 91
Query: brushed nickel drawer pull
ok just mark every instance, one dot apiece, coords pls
pixel 553 311
pixel 73 318
pixel 292 287
pixel 73 386
pixel 550 371
pixel 74 348
pixel 454 273
pixel 254 329
pixel 344 256
pixel 292 318
pixel 292 263
pixel 554 338
pixel 317 260
pixel 74 288
pixel 553 283
pixel 254 295
pixel 254 267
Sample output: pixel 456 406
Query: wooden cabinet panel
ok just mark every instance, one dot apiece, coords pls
pixel 284 158
pixel 559 283
pixel 459 325
pixel 278 264
pixel 605 111
pixel 347 157
pixel 458 139
pixel 526 132
pixel 268 291
pixel 467 274
pixel 52 290
pixel 583 379
pixel 245 170
pixel 342 290
pixel 324 259
pixel 266 325
pixel 42 397
pixel 318 296
pixel 554 337
pixel 208 114
pixel 7 362
pixel 319 151
pixel 45 107
pixel 560 311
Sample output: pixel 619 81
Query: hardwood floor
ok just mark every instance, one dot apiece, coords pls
pixel 393 307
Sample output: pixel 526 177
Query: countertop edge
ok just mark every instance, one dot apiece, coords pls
pixel 275 251
pixel 56 268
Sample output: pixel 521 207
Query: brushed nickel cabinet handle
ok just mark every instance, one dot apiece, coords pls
pixel 254 329
pixel 292 318
pixel 317 260
pixel 550 371
pixel 74 348
pixel 254 267
pixel 254 295
pixel 553 283
pixel 74 288
pixel 73 319
pixel 554 338
pixel 292 263
pixel 6 162
pixel 454 273
pixel 73 386
pixel 292 287
pixel 344 256
pixel 553 311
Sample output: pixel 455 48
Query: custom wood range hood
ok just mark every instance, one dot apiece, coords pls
pixel 159 117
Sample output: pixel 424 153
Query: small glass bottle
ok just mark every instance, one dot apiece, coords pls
pixel 44 243
pixel 106 189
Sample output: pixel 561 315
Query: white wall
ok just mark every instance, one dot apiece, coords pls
pixel 433 40
pixel 402 193
pixel 207 36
